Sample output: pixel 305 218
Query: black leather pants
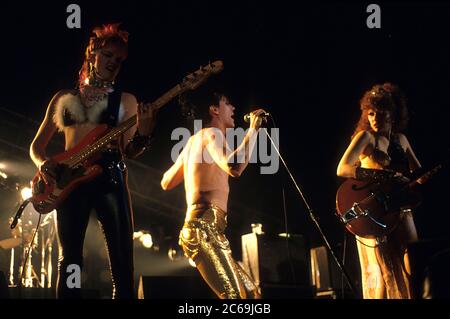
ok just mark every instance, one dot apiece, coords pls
pixel 108 196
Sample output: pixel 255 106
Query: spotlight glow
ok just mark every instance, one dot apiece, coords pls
pixel 192 263
pixel 147 240
pixel 137 234
pixel 173 254
pixel 3 175
pixel 26 193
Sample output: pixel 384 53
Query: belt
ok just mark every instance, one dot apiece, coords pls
pixel 208 212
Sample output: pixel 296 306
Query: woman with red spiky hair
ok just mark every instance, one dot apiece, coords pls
pixel 96 100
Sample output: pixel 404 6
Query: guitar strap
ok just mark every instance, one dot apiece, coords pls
pixel 111 114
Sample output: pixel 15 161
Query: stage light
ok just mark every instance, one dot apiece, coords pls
pixel 137 234
pixel 147 240
pixel 2 165
pixel 26 193
pixel 3 175
pixel 174 254
pixel 192 263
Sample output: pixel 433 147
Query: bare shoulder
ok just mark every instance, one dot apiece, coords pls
pixel 211 133
pixel 66 91
pixel 189 143
pixel 403 140
pixel 196 142
pixel 62 93
pixel 57 96
pixel 128 97
pixel 129 102
pixel 402 137
pixel 364 137
pixel 204 137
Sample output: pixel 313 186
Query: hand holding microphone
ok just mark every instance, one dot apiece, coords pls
pixel 256 117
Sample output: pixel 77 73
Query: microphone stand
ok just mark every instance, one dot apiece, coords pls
pixel 313 218
pixel 19 213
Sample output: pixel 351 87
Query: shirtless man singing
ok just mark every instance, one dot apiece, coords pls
pixel 205 164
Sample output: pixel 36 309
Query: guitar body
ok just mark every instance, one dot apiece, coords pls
pixel 47 197
pixel 371 210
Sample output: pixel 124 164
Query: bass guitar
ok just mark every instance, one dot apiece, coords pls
pixel 76 166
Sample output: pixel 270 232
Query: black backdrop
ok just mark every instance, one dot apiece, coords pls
pixel 308 64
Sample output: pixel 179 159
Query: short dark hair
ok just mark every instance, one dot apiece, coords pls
pixel 195 104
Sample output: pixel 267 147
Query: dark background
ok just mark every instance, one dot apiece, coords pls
pixel 307 64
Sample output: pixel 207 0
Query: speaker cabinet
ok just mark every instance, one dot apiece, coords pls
pixel 327 277
pixel 273 260
pixel 324 272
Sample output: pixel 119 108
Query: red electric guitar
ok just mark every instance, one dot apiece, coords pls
pixel 77 163
pixel 372 210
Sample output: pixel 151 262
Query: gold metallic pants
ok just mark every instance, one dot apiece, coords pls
pixel 203 240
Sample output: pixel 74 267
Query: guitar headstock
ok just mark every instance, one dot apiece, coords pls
pixel 195 79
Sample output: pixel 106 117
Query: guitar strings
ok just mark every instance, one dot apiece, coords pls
pixel 84 153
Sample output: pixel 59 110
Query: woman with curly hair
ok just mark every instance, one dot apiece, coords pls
pixel 75 112
pixel 380 151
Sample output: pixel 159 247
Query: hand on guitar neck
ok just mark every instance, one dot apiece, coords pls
pixel 146 114
pixel 401 178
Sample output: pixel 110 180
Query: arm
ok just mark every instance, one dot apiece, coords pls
pixel 43 136
pixel 136 139
pixel 347 165
pixel 175 174
pixel 215 147
pixel 414 163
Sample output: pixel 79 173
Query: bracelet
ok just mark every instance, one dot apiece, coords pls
pixel 140 141
pixel 376 175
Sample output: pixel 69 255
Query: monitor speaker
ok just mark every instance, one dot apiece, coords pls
pixel 275 260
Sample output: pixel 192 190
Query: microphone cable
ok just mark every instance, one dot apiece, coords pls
pixel 286 227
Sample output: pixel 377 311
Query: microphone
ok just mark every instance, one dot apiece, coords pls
pixel 247 116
